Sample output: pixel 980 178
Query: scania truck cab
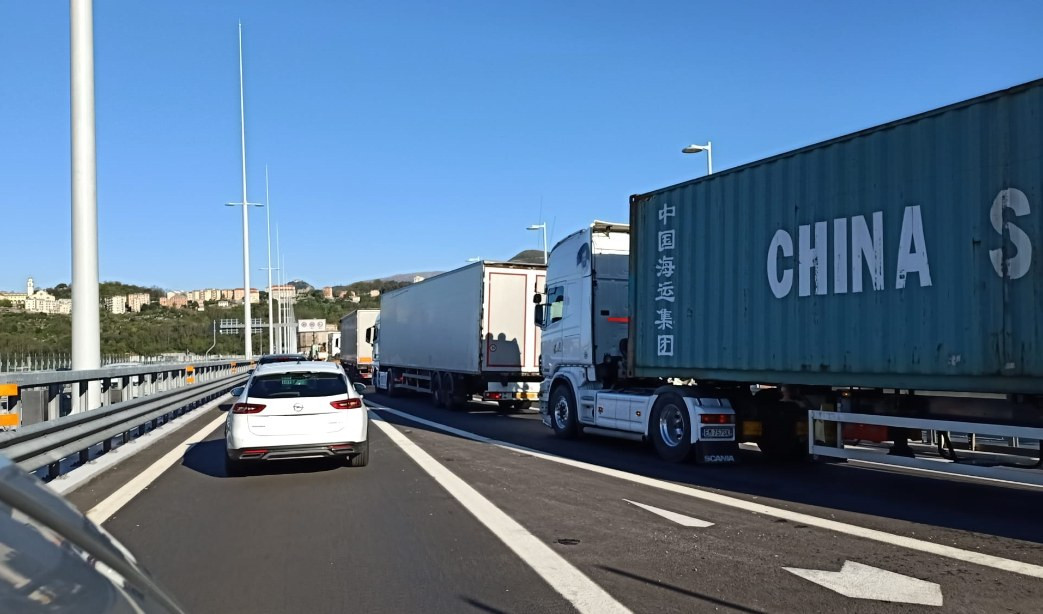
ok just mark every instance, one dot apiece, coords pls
pixel 584 317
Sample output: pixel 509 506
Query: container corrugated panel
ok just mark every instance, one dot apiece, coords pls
pixel 903 256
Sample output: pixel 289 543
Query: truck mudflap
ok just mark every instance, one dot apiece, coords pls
pixel 713 430
pixel 716 452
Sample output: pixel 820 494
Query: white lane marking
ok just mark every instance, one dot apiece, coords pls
pixel 860 581
pixel 112 504
pixel 681 519
pixel 959 554
pixel 571 583
pixel 81 475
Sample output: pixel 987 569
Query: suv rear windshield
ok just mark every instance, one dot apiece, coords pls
pixel 297 384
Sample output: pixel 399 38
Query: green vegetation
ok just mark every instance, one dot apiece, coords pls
pixel 157 329
pixel 313 306
pixel 107 289
pixel 153 331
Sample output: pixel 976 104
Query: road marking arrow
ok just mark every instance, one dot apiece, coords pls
pixel 864 582
pixel 681 519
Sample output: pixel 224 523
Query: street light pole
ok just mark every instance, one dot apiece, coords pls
pixel 86 326
pixel 248 337
pixel 708 148
pixel 268 218
pixel 542 227
pixel 282 297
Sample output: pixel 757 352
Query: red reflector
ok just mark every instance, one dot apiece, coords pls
pixel 493 395
pixel 620 320
pixel 347 404
pixel 342 446
pixel 246 408
pixel 256 452
pixel 717 418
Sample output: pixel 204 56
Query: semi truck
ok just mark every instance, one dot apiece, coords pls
pixel 888 274
pixel 356 348
pixel 463 333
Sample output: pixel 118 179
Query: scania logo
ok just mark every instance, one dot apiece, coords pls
pixel 719 458
pixel 298 407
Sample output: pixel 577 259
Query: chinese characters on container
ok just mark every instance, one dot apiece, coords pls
pixel 664 268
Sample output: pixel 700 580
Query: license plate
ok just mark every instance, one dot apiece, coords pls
pixel 717 432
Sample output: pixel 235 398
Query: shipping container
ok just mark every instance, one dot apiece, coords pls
pixel 896 257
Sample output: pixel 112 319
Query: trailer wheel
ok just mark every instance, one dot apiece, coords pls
pixel 437 394
pixel 449 391
pixel 671 428
pixel 780 441
pixel 563 412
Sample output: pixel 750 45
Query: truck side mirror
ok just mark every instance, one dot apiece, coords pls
pixel 537 298
pixel 369 335
pixel 540 316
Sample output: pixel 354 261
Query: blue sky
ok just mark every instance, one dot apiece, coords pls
pixel 406 136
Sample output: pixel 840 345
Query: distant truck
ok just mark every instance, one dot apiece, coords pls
pixel 356 349
pixel 886 274
pixel 463 333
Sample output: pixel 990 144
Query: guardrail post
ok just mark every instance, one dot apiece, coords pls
pixel 54 402
pixel 106 394
pixel 53 470
pixel 85 456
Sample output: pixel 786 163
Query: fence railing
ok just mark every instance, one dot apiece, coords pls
pixel 47 444
pixel 53 361
pixel 28 398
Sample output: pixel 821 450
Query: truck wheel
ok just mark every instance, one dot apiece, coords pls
pixel 671 428
pixel 563 412
pixel 437 395
pixel 392 389
pixel 448 392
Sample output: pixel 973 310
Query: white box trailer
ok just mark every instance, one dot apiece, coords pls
pixel 466 332
pixel 356 349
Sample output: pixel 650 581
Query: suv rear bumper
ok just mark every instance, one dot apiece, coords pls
pixel 325 450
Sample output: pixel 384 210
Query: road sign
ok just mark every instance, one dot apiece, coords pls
pixel 311 326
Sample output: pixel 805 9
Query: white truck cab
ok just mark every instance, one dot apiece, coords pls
pixel 584 317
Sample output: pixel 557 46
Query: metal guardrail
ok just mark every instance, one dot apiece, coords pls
pixel 33 397
pixel 46 444
pixel 981 467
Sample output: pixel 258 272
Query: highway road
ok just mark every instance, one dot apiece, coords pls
pixel 483 511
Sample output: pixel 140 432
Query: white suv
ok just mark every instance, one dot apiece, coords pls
pixel 296 410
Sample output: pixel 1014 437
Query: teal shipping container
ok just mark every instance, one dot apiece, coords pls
pixel 903 256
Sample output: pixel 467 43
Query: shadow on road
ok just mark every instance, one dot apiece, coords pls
pixel 478 605
pixel 711 600
pixel 208 458
pixel 999 510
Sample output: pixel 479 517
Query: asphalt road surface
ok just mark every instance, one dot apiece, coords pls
pixel 455 521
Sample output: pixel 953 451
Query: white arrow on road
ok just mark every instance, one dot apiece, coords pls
pixel 681 519
pixel 864 582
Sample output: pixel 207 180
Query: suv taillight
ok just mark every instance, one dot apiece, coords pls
pixel 246 408
pixel 347 404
